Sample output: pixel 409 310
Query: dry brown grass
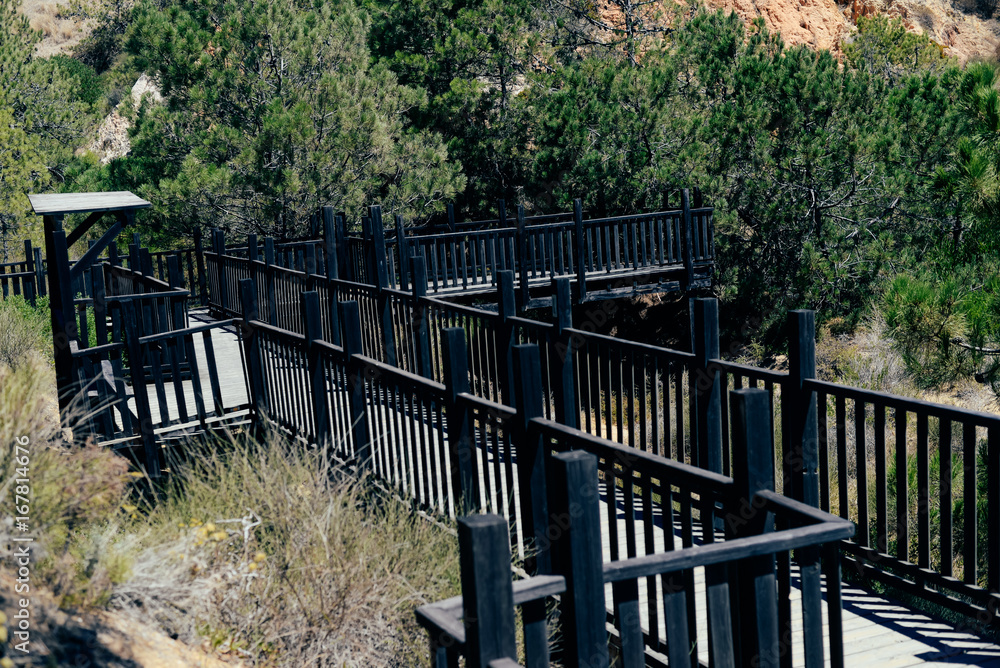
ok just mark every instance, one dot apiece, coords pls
pixel 268 553
pixel 60 31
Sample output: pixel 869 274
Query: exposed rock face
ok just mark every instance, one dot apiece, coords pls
pixel 955 24
pixel 112 136
pixel 820 24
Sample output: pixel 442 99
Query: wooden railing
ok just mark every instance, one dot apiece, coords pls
pixel 840 448
pixel 141 370
pixel 451 451
pixel 746 566
pixel 24 278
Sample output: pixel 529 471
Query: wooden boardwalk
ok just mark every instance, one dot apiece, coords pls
pixel 878 631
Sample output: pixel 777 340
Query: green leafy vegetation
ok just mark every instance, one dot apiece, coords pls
pixel 840 186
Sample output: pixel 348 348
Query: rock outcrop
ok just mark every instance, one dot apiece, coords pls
pixel 955 24
pixel 112 136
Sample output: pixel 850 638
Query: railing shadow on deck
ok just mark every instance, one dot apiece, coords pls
pixel 928 539
pixel 837 447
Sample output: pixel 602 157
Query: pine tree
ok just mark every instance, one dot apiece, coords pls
pixel 274 109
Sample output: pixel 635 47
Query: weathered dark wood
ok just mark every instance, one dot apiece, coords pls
pixel 421 329
pixel 311 319
pixel 561 355
pixel 579 246
pixel 688 237
pixel 522 252
pixel 220 244
pixel 505 334
pixel 350 315
pixel 969 495
pixel 331 244
pixel 61 309
pixel 487 592
pixel 798 406
pixel 200 259
pixel 40 273
pixel 707 386
pixel 461 446
pixel 402 253
pixel 993 509
pixel 576 552
pixel 753 468
pixel 531 454
pixel 923 495
pixel 150 450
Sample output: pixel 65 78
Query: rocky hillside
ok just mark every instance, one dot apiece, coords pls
pixel 962 26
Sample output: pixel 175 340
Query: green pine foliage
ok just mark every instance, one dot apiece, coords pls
pixel 274 109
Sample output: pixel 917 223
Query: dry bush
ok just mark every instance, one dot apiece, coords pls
pixel 24 332
pixel 75 492
pixel 267 553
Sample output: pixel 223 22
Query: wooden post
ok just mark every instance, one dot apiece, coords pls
pixel 330 241
pixel 175 277
pixel 380 270
pixel 313 324
pixel 798 410
pixel 576 553
pixel 402 254
pixel 62 313
pixel 351 317
pixel 272 301
pixel 487 590
pixel 382 283
pixel 425 363
pixel 221 264
pixel 133 259
pixel 451 217
pixel 29 266
pixel 344 267
pixel 105 399
pixel 561 353
pixel 310 267
pixel 688 239
pixel 756 616
pixel 706 385
pixel 522 260
pixel 461 446
pixel 313 225
pixel 40 273
pixel 502 213
pixel 505 335
pixel 199 252
pixel 580 245
pixel 151 452
pixel 531 455
pixel 706 402
pixel 251 347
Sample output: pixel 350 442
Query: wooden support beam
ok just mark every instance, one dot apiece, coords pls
pixel 576 555
pixel 487 590
pixel 561 355
pixel 353 348
pixel 531 455
pixel 95 251
pixel 461 446
pixel 580 246
pixel 798 410
pixel 753 465
pixel 313 324
pixel 83 228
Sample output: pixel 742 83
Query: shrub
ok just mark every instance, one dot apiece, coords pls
pixel 271 553
pixel 26 330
